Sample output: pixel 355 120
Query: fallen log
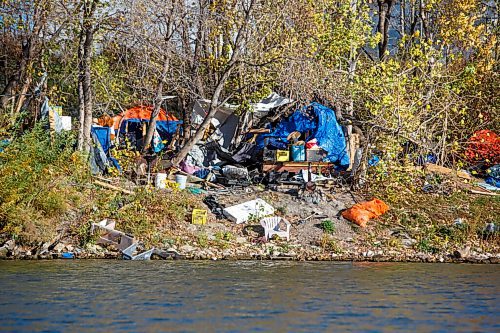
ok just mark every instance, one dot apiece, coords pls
pixel 112 187
pixel 483 192
pixel 447 171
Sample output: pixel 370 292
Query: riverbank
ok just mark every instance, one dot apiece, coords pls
pixel 434 229
pixel 49 202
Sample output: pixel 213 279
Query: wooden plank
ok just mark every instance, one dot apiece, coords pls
pixel 447 171
pixel 111 187
pixel 259 131
pixel 293 166
pixel 484 193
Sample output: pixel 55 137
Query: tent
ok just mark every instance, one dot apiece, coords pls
pixel 321 124
pixel 166 124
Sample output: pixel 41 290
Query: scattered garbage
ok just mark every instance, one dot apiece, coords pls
pixel 254 209
pixel 199 216
pixel 160 180
pixel 181 180
pixel 123 242
pixel 67 255
pixel 129 253
pixel 214 207
pixel 361 213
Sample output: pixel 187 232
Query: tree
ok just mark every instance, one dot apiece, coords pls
pixel 22 21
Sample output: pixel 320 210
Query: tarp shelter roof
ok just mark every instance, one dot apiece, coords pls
pixel 321 122
pixel 141 113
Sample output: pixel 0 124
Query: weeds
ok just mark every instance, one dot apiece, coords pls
pixel 327 226
pixel 328 243
pixel 40 175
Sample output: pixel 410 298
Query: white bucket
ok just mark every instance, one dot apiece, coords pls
pixel 160 180
pixel 181 180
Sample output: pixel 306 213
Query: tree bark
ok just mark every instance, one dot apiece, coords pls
pixel 384 12
pixel 85 75
pixel 156 107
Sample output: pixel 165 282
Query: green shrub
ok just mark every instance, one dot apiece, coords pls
pixel 38 173
pixel 327 226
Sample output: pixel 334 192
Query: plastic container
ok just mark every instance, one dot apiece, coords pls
pixel 199 216
pixel 282 155
pixel 160 180
pixel 181 180
pixel 298 153
pixel 314 155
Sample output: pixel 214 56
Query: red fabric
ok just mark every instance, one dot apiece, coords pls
pixel 484 147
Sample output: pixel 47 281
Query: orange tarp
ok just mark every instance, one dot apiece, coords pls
pixel 361 213
pixel 137 112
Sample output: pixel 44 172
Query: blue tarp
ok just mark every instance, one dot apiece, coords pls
pixel 103 135
pixel 322 124
pixel 166 129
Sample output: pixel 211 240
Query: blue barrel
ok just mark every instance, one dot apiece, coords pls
pixel 299 153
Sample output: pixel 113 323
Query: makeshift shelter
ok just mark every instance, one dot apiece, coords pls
pixel 132 124
pixel 226 121
pixel 166 124
pixel 315 121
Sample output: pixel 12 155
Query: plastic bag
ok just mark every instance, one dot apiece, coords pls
pixel 361 213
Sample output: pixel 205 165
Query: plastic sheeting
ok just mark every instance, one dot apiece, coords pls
pixel 103 135
pixel 322 124
pixel 166 129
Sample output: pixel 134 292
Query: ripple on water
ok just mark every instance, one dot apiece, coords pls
pixel 155 296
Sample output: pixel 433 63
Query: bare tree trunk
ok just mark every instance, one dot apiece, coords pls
pixel 212 110
pixel 87 88
pixel 186 106
pixel 27 55
pixel 85 75
pixel 81 95
pixel 156 107
pixel 384 12
pixel 14 81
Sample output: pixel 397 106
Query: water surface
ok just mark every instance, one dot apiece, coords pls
pixel 247 296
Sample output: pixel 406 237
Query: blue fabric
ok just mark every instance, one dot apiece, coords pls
pixel 103 135
pixel 374 160
pixel 322 124
pixel 166 129
pixel 4 144
pixel 493 181
pixel 494 171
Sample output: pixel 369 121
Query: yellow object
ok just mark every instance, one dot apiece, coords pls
pixel 199 216
pixel 282 155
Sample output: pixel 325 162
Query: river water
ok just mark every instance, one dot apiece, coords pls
pixel 247 296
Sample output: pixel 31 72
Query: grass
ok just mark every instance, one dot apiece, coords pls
pixel 429 218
